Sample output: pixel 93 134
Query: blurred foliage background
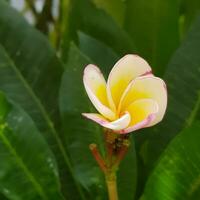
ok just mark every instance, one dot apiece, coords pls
pixel 44 47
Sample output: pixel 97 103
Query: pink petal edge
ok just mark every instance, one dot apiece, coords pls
pixel 140 125
pixel 148 73
pixel 112 125
pixel 89 116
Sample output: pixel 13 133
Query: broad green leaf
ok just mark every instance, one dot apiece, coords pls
pixel 86 17
pixel 30 75
pixel 183 84
pixel 177 174
pixel 81 132
pixel 190 10
pixel 102 55
pixel 116 8
pixel 4 108
pixel 30 51
pixel 153 26
pixel 28 168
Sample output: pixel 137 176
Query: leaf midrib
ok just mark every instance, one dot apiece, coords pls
pixel 22 165
pixel 45 116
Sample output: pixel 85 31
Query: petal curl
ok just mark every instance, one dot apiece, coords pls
pixel 125 70
pixel 146 87
pixel 143 113
pixel 95 86
pixel 139 125
pixel 116 125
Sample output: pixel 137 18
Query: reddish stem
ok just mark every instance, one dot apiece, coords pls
pixel 98 158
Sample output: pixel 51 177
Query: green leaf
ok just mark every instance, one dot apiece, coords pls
pixel 4 108
pixel 190 10
pixel 177 174
pixel 95 22
pixel 102 55
pixel 183 84
pixel 81 132
pixel 116 8
pixel 153 26
pixel 30 75
pixel 28 168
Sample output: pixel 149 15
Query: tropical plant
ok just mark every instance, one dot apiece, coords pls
pixel 44 140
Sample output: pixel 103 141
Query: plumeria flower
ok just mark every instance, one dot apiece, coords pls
pixel 131 99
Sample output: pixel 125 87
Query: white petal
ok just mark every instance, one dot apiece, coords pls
pixel 125 70
pixel 146 87
pixel 95 86
pixel 116 125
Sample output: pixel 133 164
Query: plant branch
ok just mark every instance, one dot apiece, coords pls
pixel 98 158
pixel 116 148
pixel 111 183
